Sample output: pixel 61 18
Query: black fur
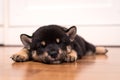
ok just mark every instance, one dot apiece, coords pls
pixel 50 44
pixel 50 33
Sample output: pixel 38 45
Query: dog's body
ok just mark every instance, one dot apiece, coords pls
pixel 54 44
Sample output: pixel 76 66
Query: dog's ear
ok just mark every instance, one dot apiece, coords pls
pixel 26 40
pixel 71 32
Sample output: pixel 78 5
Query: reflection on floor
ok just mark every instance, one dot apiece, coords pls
pixel 99 67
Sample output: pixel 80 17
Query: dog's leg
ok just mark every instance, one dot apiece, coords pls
pixel 101 50
pixel 21 56
pixel 71 57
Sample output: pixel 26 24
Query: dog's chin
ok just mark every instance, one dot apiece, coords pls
pixel 49 60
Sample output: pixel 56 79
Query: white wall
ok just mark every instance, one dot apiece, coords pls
pixel 1 21
pixel 1 35
pixel 104 35
pixel 98 21
pixel 1 12
pixel 65 12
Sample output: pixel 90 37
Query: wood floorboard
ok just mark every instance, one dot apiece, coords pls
pixel 99 67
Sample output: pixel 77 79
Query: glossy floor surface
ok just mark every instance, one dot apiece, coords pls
pixel 99 67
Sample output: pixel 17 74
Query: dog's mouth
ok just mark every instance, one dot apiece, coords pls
pixel 48 59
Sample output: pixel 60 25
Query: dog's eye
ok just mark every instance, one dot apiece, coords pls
pixel 43 43
pixel 58 40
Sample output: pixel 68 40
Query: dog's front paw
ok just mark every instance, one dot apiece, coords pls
pixel 71 57
pixel 21 56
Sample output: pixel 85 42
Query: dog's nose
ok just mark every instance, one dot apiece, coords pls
pixel 53 54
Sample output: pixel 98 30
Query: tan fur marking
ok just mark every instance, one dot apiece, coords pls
pixel 22 55
pixel 101 50
pixel 57 40
pixel 43 43
pixel 38 58
pixel 59 54
pixel 72 56
pixel 73 53
pixel 35 56
pixel 60 51
pixel 45 54
pixel 69 49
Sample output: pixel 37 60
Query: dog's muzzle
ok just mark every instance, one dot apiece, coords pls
pixel 52 57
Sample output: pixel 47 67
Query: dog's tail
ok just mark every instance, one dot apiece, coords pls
pixel 100 50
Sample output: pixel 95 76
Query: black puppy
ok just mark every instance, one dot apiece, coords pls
pixel 54 44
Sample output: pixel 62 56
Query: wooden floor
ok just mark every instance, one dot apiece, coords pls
pixel 100 67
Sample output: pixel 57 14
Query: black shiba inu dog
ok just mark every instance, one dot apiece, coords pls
pixel 55 44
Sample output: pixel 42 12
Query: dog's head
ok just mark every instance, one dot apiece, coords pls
pixel 50 44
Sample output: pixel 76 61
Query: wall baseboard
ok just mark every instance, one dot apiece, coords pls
pixel 1 44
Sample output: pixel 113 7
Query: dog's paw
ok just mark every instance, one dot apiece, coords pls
pixel 71 57
pixel 21 56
